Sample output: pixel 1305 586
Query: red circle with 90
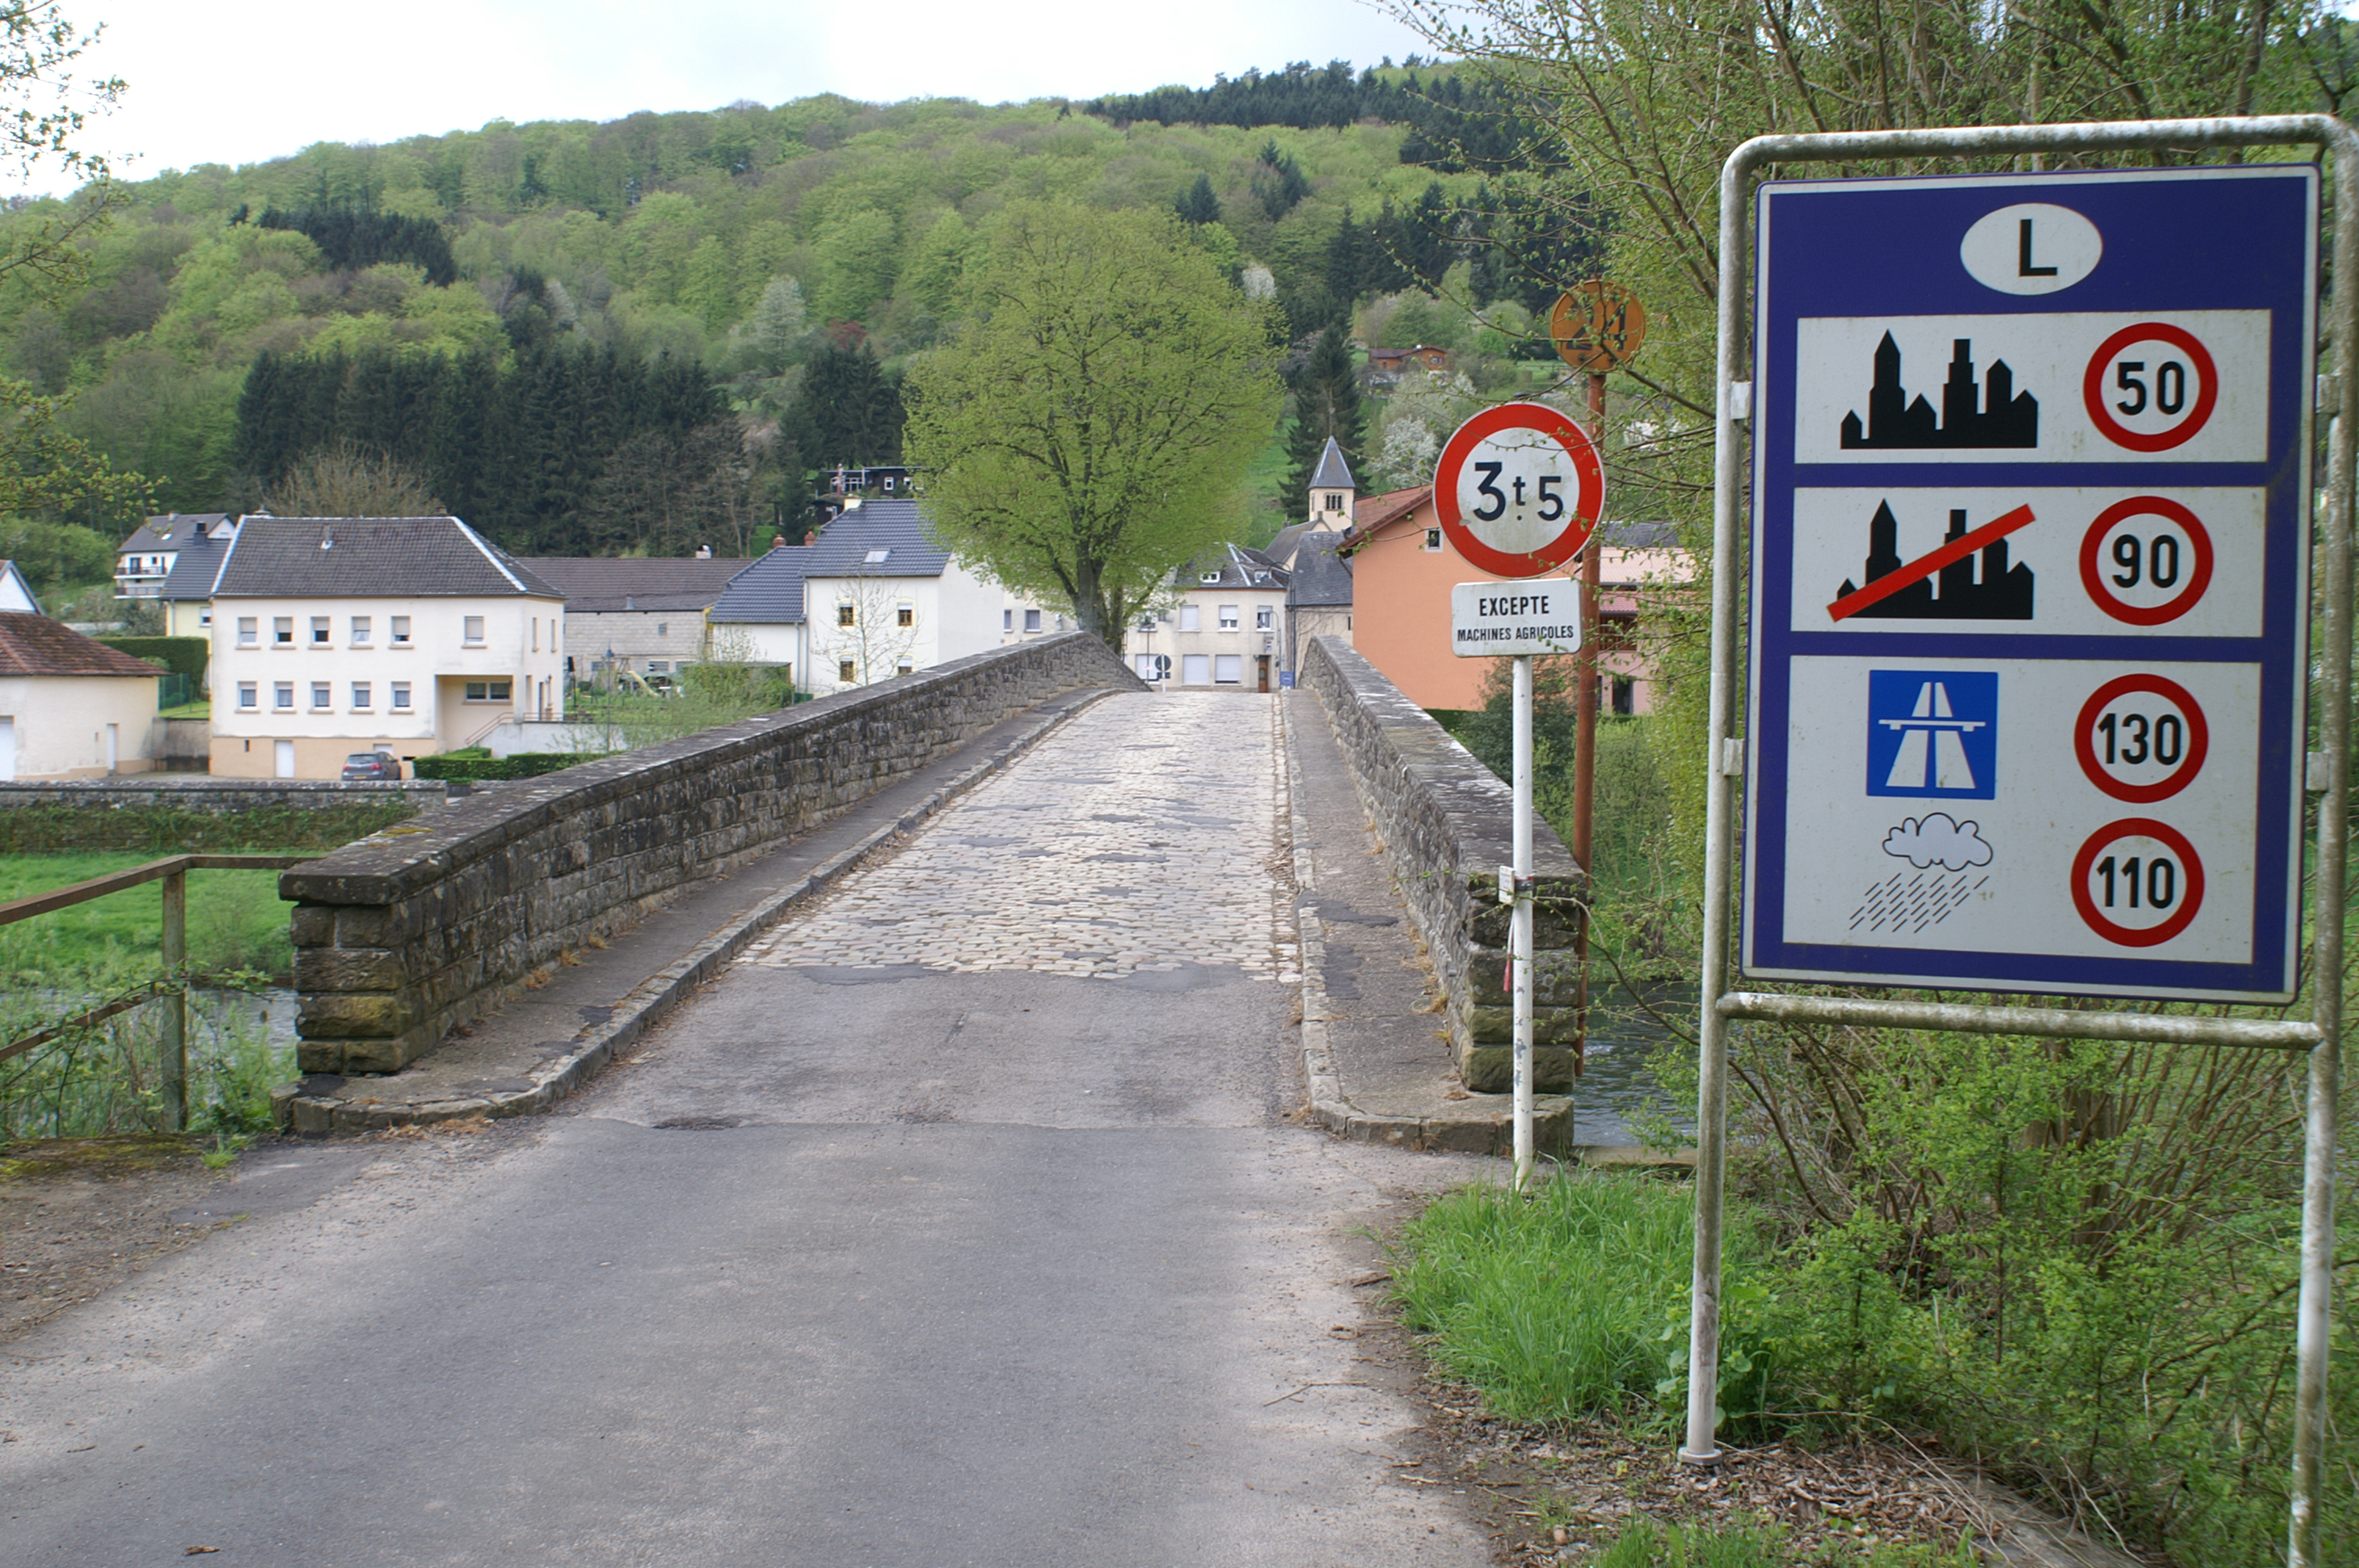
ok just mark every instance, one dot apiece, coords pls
pixel 2148 560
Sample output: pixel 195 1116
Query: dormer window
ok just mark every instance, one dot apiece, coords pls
pixel 1210 579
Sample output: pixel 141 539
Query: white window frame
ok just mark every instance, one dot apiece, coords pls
pixel 1228 669
pixel 282 696
pixel 1265 618
pixel 360 630
pixel 249 697
pixel 1191 617
pixel 282 631
pixel 361 694
pixel 400 631
pixel 471 632
pixel 322 631
pixel 400 703
pixel 1230 618
pixel 323 696
pixel 249 631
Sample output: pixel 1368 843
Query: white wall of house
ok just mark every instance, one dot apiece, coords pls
pixel 779 642
pixel 62 726
pixel 896 625
pixel 1215 638
pixel 412 682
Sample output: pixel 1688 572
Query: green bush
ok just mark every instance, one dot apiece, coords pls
pixel 180 655
pixel 474 764
pixel 169 830
pixel 52 555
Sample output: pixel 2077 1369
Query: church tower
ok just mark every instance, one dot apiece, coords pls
pixel 1332 490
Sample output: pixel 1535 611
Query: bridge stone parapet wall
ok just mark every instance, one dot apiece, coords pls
pixel 407 933
pixel 1447 826
pixel 221 797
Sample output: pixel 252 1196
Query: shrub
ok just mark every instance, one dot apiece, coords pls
pixel 180 655
pixel 474 764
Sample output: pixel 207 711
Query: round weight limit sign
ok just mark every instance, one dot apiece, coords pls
pixel 2141 738
pixel 1518 490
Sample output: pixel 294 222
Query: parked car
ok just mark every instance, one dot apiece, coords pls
pixel 368 767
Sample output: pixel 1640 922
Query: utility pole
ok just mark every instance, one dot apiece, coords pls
pixel 1595 326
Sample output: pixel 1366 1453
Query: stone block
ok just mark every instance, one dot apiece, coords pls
pixel 354 1015
pixel 1490 1026
pixel 1491 1070
pixel 349 969
pixel 1556 976
pixel 312 925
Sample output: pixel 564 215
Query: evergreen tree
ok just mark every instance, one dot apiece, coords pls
pixel 1326 404
pixel 1278 181
pixel 1198 204
pixel 849 412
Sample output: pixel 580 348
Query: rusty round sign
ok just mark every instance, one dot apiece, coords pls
pixel 1597 326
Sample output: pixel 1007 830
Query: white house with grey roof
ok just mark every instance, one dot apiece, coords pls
pixel 412 635
pixel 758 619
pixel 881 596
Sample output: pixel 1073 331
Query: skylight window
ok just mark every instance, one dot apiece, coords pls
pixel 875 557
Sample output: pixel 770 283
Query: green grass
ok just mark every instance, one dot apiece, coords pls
pixel 236 919
pixel 1646 1544
pixel 201 708
pixel 1554 1304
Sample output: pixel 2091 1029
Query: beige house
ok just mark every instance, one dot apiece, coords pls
pixel 412 635
pixel 1222 631
pixel 70 708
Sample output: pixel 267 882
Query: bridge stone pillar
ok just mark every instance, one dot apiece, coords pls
pixel 1447 825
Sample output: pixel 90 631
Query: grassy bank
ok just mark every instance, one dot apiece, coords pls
pixel 235 920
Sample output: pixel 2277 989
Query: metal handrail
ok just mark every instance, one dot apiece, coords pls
pixel 173 873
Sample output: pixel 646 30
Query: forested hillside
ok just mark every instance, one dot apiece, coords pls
pixel 552 323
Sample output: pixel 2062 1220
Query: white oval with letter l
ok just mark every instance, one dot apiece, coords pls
pixel 2032 247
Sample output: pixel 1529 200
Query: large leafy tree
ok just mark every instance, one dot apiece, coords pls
pixel 1091 430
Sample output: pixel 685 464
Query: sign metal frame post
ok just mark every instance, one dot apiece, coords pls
pixel 2329 779
pixel 1519 928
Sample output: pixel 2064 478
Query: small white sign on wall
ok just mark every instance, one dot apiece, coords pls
pixel 1535 615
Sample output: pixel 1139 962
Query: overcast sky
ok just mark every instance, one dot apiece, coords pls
pixel 249 80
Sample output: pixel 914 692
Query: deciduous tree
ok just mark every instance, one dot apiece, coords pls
pixel 1092 429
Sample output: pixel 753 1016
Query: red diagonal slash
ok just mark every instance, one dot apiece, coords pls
pixel 1925 566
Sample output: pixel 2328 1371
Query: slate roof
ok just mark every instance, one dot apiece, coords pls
pixel 894 526
pixel 375 557
pixel 1320 576
pixel 1332 472
pixel 195 564
pixel 1641 536
pixel 600 584
pixel 36 646
pixel 768 592
pixel 172 531
pixel 1235 566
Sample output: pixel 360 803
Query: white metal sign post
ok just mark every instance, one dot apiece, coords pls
pixel 2029 616
pixel 1519 489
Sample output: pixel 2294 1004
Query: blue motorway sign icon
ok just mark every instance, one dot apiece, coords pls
pixel 2031 474
pixel 1932 733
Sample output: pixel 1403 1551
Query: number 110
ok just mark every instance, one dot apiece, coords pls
pixel 2161 881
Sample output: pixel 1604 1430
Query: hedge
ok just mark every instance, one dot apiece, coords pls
pixel 181 655
pixel 167 830
pixel 474 764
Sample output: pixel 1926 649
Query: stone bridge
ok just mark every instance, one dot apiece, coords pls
pixel 931 1171
pixel 1088 828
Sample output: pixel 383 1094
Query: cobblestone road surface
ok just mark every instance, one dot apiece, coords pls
pixel 1144 836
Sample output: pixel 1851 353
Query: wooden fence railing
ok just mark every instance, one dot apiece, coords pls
pixel 173 988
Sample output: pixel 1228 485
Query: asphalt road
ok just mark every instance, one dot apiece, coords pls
pixel 860 1262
